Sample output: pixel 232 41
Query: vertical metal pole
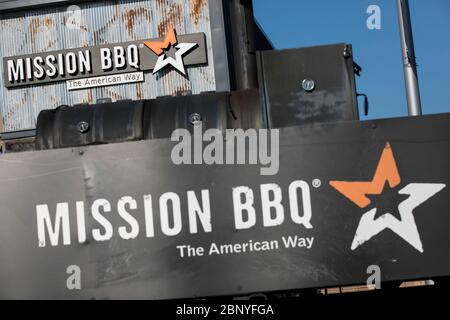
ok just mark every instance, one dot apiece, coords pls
pixel 409 59
pixel 241 43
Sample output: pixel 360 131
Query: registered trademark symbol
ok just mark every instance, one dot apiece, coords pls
pixel 316 183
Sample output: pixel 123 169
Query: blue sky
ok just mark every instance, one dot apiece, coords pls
pixel 302 23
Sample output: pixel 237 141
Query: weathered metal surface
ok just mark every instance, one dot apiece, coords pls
pixel 98 22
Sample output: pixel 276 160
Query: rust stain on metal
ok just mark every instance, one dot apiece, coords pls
pixel 102 30
pixel 10 114
pixel 54 100
pixel 131 15
pixel 197 6
pixel 36 24
pixel 161 3
pixel 182 88
pixel 172 17
pixel 89 99
pixel 114 95
pixel 38 27
pixel 23 42
pixel 139 93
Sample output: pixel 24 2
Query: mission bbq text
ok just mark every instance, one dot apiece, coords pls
pixel 71 64
pixel 130 217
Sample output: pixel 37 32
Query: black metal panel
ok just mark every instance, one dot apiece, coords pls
pixel 164 115
pixel 18 134
pixel 241 37
pixel 247 110
pixel 221 111
pixel 87 125
pixel 282 72
pixel 151 267
pixel 146 119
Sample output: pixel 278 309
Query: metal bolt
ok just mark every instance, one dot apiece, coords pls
pixel 308 85
pixel 317 183
pixel 347 53
pixel 195 119
pixel 83 127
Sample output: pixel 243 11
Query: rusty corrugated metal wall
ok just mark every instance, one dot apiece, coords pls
pixel 98 22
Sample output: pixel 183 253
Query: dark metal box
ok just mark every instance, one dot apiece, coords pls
pixel 283 74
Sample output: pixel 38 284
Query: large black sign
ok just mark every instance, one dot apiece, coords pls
pixel 129 223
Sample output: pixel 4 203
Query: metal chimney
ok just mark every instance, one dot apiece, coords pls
pixel 240 24
pixel 409 59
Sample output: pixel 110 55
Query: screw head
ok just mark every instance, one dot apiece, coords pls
pixel 317 183
pixel 83 127
pixel 195 119
pixel 347 53
pixel 308 85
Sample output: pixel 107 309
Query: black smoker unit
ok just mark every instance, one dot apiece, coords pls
pixel 147 119
pixel 297 87
pixel 301 86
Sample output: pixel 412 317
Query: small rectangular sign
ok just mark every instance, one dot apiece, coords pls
pixel 100 61
pixel 103 81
